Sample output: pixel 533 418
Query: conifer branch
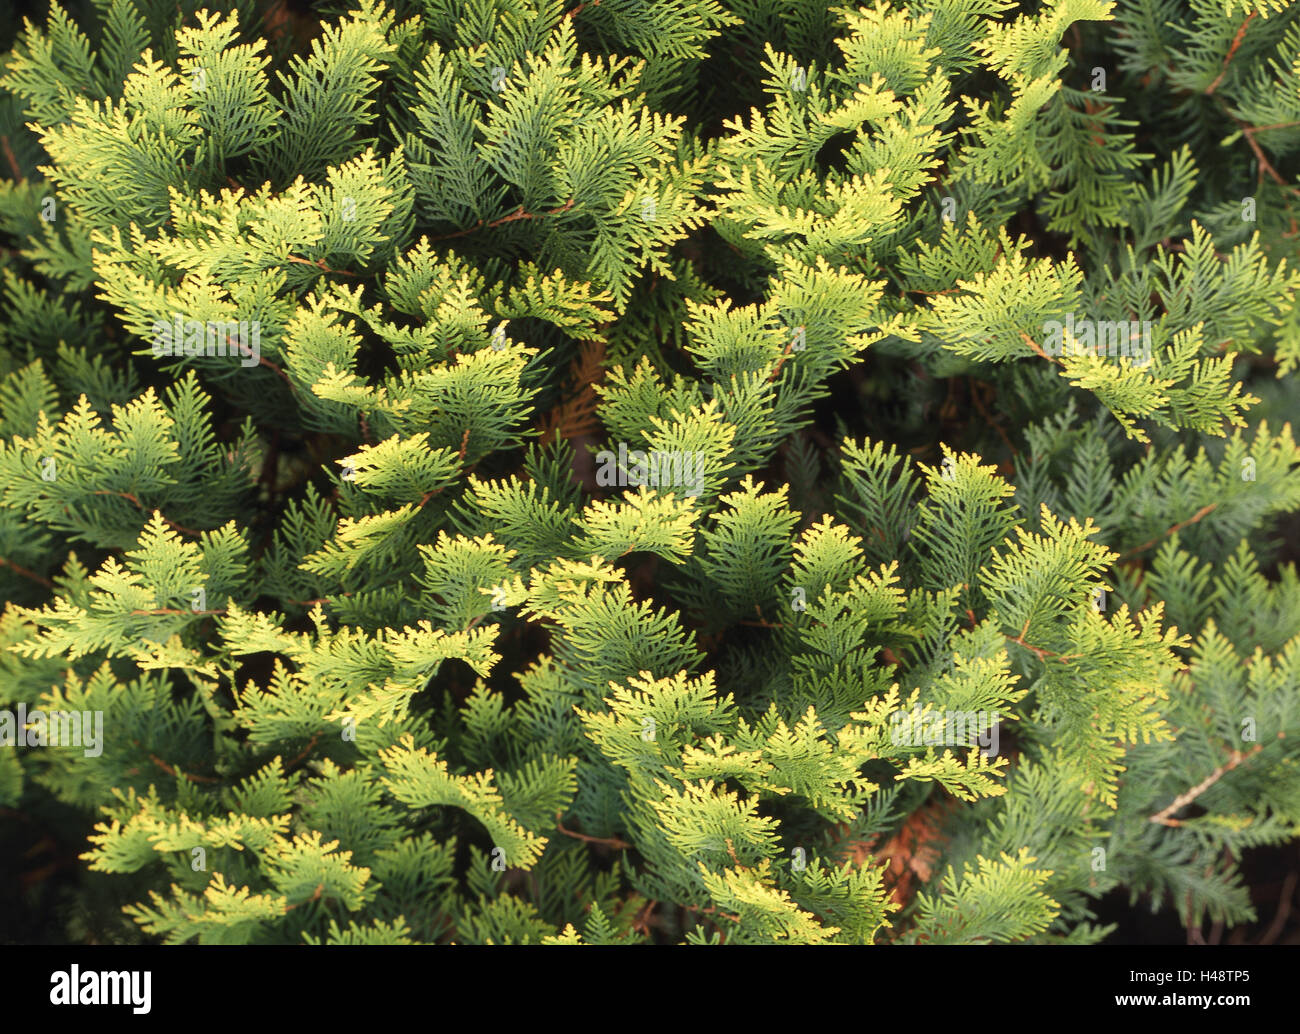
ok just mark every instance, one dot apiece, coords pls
pixel 781 361
pixel 176 772
pixel 311 745
pixel 712 910
pixel 321 600
pixel 988 417
pixel 320 264
pixel 1041 653
pixel 641 923
pixel 614 842
pixel 1265 166
pixel 1236 42
pixel 315 896
pixel 1275 125
pixel 263 361
pixel 1038 349
pixel 132 499
pixel 9 156
pixel 1185 798
pixel 514 216
pixel 574 12
pixel 19 569
pixel 676 361
pixel 1203 511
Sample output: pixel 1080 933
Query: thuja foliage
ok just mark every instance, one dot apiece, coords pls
pixel 399 635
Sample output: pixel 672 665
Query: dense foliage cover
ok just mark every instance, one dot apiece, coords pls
pixel 696 471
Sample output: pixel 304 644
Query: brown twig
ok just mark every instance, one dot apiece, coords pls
pixel 13 162
pixel 323 599
pixel 1039 349
pixel 174 772
pixel 320 887
pixel 781 361
pixel 607 841
pixel 988 417
pixel 712 910
pixel 1177 527
pixel 1041 652
pixel 1265 166
pixel 320 264
pixel 1231 51
pixel 305 751
pixel 263 361
pixel 1185 798
pixel 19 569
pixel 578 10
pixel 761 621
pixel 1275 125
pixel 641 922
pixel 130 498
pixel 514 216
